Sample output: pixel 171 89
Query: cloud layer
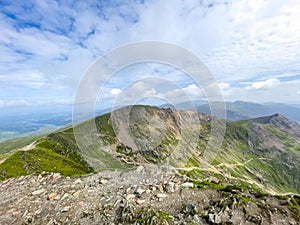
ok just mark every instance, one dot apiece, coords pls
pixel 252 47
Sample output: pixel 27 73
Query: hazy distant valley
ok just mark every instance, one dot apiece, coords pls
pixel 16 125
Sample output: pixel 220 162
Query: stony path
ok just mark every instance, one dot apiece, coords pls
pixel 134 197
pixel 25 148
pixel 28 147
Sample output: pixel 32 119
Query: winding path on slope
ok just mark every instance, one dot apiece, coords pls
pixel 25 148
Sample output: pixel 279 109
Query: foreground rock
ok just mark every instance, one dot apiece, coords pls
pixel 147 195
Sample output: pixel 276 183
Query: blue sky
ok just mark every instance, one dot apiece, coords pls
pixel 252 47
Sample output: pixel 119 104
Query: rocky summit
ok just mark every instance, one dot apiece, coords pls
pixel 146 195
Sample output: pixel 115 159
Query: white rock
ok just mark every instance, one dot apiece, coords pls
pixel 65 209
pixel 141 201
pixel 130 196
pixel 78 181
pixel 161 195
pixel 57 197
pixel 139 169
pixel 56 176
pixel 140 191
pixel 103 181
pixel 171 186
pixel 65 196
pixel 38 192
pixel 187 185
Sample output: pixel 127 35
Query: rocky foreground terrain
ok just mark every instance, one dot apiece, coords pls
pixel 146 195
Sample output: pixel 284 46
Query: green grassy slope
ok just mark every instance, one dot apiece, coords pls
pixel 253 154
pixel 48 154
pixel 246 159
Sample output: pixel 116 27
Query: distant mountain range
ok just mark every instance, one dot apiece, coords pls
pixel 18 125
pixel 240 110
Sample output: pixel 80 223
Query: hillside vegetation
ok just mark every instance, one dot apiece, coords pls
pixel 259 154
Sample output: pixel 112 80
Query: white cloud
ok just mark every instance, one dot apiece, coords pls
pixel 264 85
pixel 193 91
pixel 224 86
pixel 177 94
pixel 115 91
pixel 150 92
pixel 63 101
pixel 10 103
pixel 2 103
pixel 32 79
pixel 286 92
pixel 241 41
pixel 138 90
pixel 262 41
pixel 226 89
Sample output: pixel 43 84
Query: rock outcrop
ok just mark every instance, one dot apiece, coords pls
pixel 146 195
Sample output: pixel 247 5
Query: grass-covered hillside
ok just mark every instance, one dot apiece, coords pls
pixel 262 153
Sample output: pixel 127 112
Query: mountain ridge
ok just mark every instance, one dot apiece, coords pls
pixel 148 165
pixel 244 141
pixel 240 110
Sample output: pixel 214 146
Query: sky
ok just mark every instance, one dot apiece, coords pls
pixel 251 47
